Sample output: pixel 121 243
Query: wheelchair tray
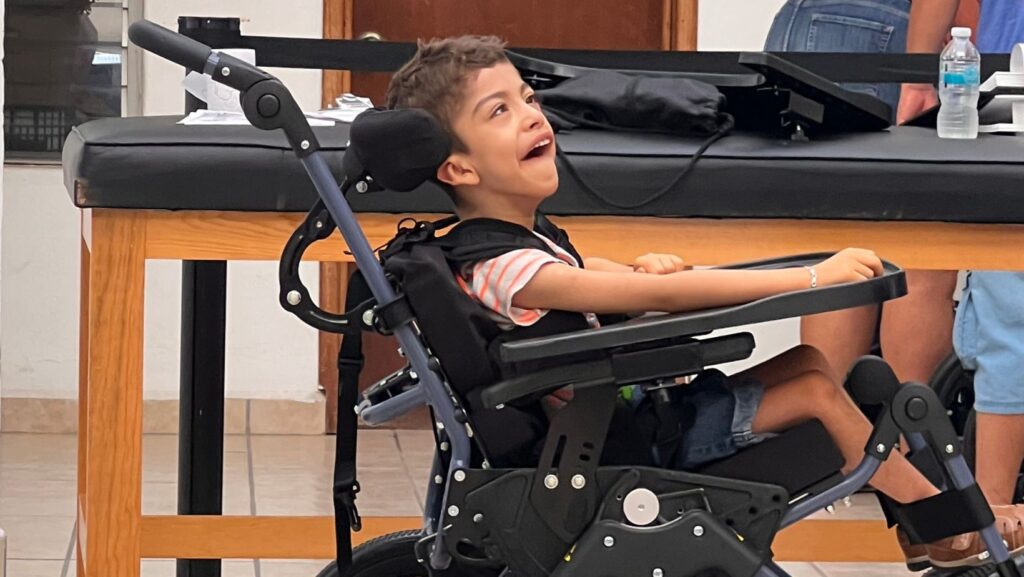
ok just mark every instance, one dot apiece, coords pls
pixel 892 284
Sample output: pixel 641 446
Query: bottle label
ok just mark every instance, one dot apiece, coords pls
pixel 967 76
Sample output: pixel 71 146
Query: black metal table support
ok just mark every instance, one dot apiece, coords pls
pixel 203 317
pixel 201 419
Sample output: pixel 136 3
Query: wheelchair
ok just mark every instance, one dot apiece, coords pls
pixel 495 510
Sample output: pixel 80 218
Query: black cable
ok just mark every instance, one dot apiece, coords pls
pixel 726 127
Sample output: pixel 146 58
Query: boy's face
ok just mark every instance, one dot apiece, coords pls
pixel 510 145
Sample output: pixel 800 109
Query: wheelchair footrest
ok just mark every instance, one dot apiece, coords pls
pixel 690 545
pixel 930 520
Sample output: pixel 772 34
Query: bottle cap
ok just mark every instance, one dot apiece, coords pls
pixel 961 32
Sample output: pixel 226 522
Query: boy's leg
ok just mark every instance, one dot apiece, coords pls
pixel 813 395
pixel 788 365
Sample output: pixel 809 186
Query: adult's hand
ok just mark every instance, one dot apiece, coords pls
pixel 915 99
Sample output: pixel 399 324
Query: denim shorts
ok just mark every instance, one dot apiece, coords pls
pixel 717 415
pixel 988 336
pixel 844 26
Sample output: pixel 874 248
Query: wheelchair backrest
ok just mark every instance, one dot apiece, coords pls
pixel 458 332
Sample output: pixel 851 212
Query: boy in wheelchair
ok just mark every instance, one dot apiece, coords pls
pixel 501 168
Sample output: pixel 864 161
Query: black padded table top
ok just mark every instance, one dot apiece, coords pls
pixel 901 174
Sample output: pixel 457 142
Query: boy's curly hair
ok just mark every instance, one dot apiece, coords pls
pixel 434 79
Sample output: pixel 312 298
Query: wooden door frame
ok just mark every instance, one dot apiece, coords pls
pixel 679 32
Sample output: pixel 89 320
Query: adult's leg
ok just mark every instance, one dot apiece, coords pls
pixel 841 336
pixel 916 330
pixel 999 452
pixel 989 339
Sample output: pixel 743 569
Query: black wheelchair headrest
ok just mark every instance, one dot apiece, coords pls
pixel 401 149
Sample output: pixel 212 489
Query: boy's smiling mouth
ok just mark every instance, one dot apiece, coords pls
pixel 540 147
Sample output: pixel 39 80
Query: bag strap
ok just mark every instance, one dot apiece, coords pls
pixel 346 485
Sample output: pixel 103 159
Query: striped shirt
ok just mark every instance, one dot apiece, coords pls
pixel 494 282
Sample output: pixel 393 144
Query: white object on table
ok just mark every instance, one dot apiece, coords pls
pixel 216 95
pixel 347 108
pixel 1012 79
pixel 229 118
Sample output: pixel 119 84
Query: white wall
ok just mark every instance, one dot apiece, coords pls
pixel 2 15
pixel 270 354
pixel 729 25
pixel 302 18
pixel 39 293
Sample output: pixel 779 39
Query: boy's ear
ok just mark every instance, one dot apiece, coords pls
pixel 456 170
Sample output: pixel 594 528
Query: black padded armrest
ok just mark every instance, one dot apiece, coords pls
pixel 892 284
pixel 669 359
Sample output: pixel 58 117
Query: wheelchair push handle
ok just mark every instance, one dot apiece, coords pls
pixel 266 102
pixel 194 55
pixel 170 45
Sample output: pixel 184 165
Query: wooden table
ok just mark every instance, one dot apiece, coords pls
pixel 112 532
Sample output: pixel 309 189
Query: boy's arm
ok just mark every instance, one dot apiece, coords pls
pixel 651 263
pixel 930 21
pixel 596 263
pixel 573 289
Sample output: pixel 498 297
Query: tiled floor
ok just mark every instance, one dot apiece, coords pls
pixel 266 475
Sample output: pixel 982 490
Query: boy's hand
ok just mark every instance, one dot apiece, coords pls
pixel 849 265
pixel 658 264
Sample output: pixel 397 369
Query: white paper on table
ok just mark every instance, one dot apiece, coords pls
pixel 348 107
pixel 228 118
pixel 216 95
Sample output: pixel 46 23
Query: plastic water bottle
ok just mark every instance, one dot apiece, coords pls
pixel 959 79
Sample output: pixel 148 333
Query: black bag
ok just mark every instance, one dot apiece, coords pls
pixel 612 100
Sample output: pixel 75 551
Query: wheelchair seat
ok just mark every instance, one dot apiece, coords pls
pixel 803 460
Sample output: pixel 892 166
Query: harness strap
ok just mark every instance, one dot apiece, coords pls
pixel 346 486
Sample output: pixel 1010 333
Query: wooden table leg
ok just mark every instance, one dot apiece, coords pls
pixel 83 391
pixel 110 437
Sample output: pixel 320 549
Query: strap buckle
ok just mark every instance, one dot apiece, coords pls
pixel 347 499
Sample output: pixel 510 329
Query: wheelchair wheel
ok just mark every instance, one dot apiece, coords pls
pixel 970 434
pixel 392 555
pixel 955 389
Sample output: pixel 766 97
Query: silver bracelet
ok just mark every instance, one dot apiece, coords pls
pixel 814 276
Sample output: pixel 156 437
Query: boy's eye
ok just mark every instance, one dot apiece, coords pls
pixel 531 98
pixel 499 109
